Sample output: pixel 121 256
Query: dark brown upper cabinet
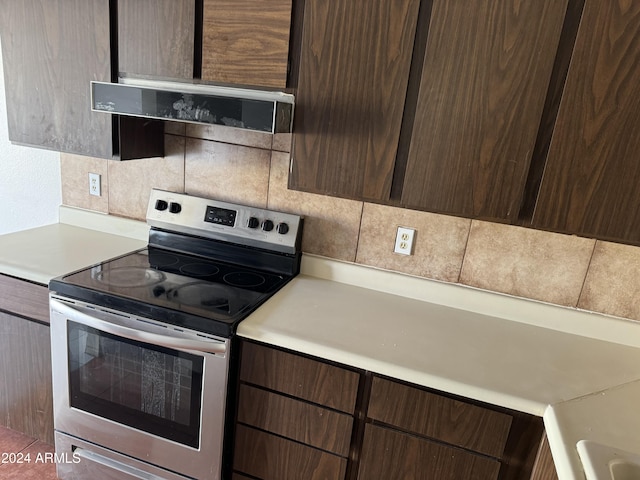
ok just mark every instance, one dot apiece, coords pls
pixel 590 182
pixel 235 42
pixel 482 81
pixel 51 50
pixel 519 112
pixel 156 38
pixel 353 75
pixel 246 42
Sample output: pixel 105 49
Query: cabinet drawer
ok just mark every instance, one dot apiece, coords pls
pixel 391 455
pixel 269 457
pixel 298 376
pixel 24 298
pixel 304 422
pixel 442 418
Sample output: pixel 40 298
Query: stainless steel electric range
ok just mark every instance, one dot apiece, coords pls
pixel 142 345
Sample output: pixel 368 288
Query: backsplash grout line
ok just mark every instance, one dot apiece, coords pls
pixel 464 254
pixel 269 178
pixel 355 254
pixel 184 164
pixel 586 274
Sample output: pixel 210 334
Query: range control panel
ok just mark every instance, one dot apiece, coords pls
pixel 224 221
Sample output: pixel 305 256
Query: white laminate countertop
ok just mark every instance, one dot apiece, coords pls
pixel 580 371
pixel 542 359
pixel 43 253
pixel 498 361
pixel 609 417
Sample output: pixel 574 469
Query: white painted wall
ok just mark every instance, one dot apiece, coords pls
pixel 30 188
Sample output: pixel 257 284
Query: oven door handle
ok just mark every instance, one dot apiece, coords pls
pixel 168 341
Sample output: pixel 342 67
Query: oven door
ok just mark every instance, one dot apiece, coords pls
pixel 139 387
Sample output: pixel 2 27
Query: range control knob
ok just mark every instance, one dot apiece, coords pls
pixel 253 222
pixel 161 205
pixel 267 225
pixel 175 207
pixel 282 228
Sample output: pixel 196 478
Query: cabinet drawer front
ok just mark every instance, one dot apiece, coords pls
pixel 458 423
pixel 24 298
pixel 391 455
pixel 306 423
pixel 300 377
pixel 266 456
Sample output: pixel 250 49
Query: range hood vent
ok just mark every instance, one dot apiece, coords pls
pixel 258 110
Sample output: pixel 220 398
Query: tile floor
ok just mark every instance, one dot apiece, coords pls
pixel 25 458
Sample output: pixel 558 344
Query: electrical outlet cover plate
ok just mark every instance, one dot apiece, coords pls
pixel 404 241
pixel 94 184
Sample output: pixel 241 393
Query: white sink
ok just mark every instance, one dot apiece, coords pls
pixel 602 462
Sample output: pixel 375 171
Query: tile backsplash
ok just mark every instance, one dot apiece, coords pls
pixel 252 168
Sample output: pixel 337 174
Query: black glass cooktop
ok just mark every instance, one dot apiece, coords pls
pixel 191 291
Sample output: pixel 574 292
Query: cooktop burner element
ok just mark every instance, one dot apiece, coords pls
pixel 199 270
pixel 130 277
pixel 244 279
pixel 204 295
pixel 208 264
pixel 165 259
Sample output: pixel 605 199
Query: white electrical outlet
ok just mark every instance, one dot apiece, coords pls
pixel 404 241
pixel 94 184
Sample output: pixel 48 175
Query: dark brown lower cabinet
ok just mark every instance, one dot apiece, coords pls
pixel 432 415
pixel 26 396
pixel 450 437
pixel 304 418
pixel 269 456
pixel 302 422
pixel 295 416
pixel 394 455
pixel 544 468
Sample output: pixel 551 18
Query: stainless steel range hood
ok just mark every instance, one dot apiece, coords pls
pixel 258 110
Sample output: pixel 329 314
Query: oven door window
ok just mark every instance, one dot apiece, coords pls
pixel 143 386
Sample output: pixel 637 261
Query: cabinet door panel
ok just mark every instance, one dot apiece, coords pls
pixel 156 37
pixel 436 416
pixel 298 376
pixel 544 467
pixel 300 421
pixel 26 396
pixel 246 42
pixel 269 457
pixel 24 298
pixel 354 70
pixel 397 456
pixel 590 183
pixel 51 50
pixel 485 74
